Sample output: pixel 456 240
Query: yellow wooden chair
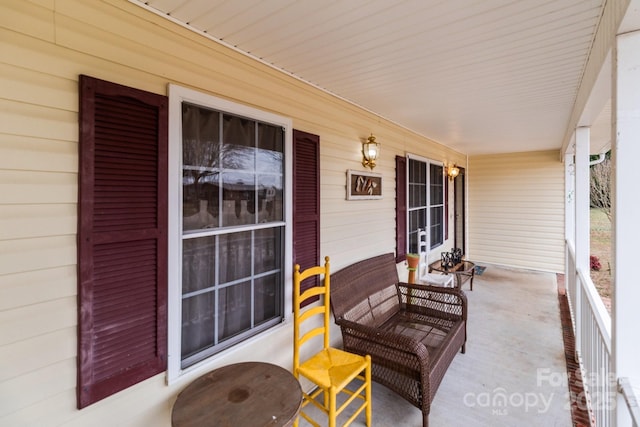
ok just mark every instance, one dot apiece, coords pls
pixel 330 369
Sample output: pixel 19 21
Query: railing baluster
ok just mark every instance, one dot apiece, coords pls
pixel 592 329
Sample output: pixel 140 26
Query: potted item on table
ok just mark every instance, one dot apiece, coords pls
pixel 412 262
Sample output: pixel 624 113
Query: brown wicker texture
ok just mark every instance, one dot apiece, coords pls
pixel 412 332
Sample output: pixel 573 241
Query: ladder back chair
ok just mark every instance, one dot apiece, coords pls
pixel 330 370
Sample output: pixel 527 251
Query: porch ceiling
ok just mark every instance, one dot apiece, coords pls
pixel 479 76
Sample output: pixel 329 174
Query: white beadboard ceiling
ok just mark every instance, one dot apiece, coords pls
pixel 480 76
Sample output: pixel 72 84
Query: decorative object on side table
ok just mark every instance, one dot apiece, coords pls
pixel 456 255
pixel 446 260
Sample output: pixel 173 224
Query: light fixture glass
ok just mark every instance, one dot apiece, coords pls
pixel 453 171
pixel 370 152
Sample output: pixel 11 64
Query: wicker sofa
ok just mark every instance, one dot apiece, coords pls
pixel 412 332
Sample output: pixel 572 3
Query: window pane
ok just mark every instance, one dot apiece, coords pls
pixel 198 264
pixel 417 195
pixel 270 148
pixel 417 220
pixel 437 185
pixel 238 204
pixel 200 203
pixel 197 323
pixel 235 256
pixel 267 298
pixel 417 184
pixel 437 214
pixel 234 307
pixel 200 136
pixel 238 136
pixel 270 198
pixel 201 152
pixel 268 250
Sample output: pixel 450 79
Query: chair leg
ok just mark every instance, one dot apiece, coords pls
pixel 332 407
pixel 367 377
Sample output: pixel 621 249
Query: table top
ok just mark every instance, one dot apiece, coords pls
pixel 462 267
pixel 250 393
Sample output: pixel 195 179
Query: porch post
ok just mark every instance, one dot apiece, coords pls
pixel 582 237
pixel 570 198
pixel 581 230
pixel 625 307
pixel 570 232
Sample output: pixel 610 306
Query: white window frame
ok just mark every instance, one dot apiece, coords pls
pixel 178 95
pixel 428 162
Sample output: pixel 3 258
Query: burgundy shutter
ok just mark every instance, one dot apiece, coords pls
pixel 306 202
pixel 122 238
pixel 401 208
pixel 446 208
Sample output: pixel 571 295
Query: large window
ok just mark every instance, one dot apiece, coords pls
pixel 232 223
pixel 425 202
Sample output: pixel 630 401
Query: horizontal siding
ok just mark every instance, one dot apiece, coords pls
pixel 26 355
pixel 32 320
pixel 21 221
pixel 46 44
pixel 41 383
pixel 516 210
pixel 25 153
pixel 37 286
pixel 25 255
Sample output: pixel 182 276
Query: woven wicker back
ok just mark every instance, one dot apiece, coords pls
pixel 357 282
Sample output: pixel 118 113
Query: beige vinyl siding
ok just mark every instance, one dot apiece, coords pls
pixel 46 44
pixel 516 210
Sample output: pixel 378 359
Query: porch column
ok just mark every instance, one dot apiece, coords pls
pixel 582 238
pixel 625 306
pixel 581 229
pixel 570 198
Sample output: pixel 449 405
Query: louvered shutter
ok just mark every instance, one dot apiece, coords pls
pixel 306 202
pixel 122 238
pixel 401 208
pixel 446 208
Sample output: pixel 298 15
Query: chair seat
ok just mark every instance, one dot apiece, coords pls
pixel 445 280
pixel 332 367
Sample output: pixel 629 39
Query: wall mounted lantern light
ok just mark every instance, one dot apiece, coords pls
pixel 370 152
pixel 453 171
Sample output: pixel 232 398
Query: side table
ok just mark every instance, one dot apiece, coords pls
pixel 243 394
pixel 462 271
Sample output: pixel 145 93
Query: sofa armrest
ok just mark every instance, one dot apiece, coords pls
pixel 437 301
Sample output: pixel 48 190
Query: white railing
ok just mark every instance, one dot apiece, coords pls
pixel 630 399
pixel 592 329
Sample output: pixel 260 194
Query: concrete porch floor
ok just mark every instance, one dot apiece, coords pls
pixel 513 372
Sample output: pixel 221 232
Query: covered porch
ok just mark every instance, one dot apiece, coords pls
pixel 514 371
pixel 516 95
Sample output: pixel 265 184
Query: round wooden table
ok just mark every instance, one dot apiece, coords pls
pixel 243 394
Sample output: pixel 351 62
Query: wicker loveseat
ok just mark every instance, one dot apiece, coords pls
pixel 412 332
